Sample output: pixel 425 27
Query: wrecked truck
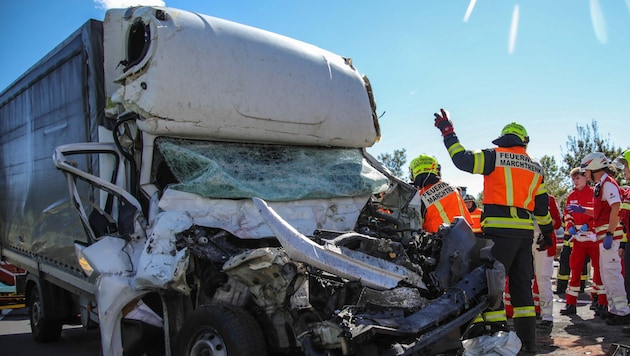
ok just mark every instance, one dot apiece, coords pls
pixel 210 192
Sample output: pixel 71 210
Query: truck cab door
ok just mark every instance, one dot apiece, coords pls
pixel 108 209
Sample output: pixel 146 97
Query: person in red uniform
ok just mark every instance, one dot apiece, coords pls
pixel 440 202
pixel 514 196
pixel 475 214
pixel 579 226
pixel 608 231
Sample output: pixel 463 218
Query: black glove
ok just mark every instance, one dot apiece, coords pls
pixel 443 123
pixel 544 242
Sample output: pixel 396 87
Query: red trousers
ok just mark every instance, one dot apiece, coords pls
pixel 581 249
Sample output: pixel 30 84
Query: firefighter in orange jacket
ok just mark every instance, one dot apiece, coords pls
pixel 514 195
pixel 440 202
pixel 475 214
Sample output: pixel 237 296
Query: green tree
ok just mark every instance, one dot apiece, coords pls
pixel 587 140
pixel 557 183
pixel 479 200
pixel 395 162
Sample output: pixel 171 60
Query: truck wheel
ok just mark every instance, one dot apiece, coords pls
pixel 42 329
pixel 220 330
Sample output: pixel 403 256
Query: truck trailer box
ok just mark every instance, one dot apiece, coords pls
pixel 59 100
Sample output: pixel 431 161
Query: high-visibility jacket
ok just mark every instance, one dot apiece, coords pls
pixel 515 179
pixel 514 188
pixel 624 211
pixel 601 211
pixel 475 215
pixel 441 203
pixel 514 182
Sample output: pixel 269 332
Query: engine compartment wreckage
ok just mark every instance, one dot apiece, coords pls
pixel 379 292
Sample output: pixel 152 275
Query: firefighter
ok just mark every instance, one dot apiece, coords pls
pixel 608 231
pixel 440 202
pixel 583 246
pixel 514 195
pixel 475 214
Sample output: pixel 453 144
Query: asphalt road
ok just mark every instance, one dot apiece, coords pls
pixel 16 339
pixel 581 334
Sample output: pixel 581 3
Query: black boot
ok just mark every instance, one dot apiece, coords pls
pixel 570 309
pixel 561 288
pixel 601 311
pixel 525 328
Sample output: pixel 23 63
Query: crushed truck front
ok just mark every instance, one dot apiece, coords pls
pixel 247 204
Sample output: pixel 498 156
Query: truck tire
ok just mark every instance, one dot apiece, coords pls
pixel 42 329
pixel 220 330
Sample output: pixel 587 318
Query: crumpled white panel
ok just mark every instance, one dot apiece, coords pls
pixel 241 217
pixel 160 264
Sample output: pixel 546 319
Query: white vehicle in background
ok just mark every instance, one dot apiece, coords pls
pixel 226 203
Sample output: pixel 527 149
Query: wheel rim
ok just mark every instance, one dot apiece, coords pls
pixel 207 342
pixel 36 312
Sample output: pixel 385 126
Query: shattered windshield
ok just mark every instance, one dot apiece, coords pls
pixel 270 172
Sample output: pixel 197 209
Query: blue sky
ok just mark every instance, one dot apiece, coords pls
pixel 549 65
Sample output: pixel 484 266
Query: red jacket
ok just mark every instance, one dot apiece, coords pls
pixel 554 211
pixel 584 198
pixel 602 210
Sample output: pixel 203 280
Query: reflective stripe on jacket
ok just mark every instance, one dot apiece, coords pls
pixel 475 215
pixel 499 219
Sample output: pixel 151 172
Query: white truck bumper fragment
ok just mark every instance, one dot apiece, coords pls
pixel 372 272
pixel 111 261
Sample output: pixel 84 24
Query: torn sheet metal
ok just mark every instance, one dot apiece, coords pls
pixel 353 265
pixel 161 265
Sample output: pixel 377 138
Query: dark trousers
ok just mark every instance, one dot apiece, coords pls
pixel 626 269
pixel 516 255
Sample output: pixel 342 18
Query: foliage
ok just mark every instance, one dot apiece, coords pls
pixel 557 183
pixel 587 140
pixel 395 162
pixel 479 199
